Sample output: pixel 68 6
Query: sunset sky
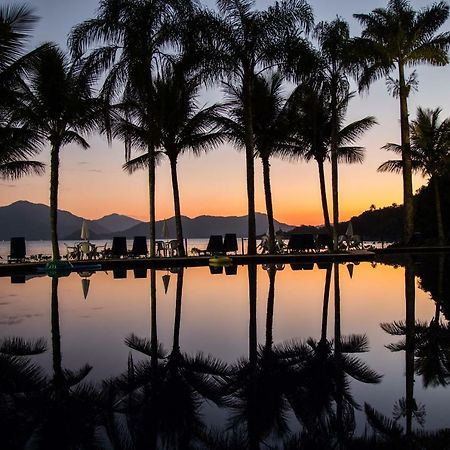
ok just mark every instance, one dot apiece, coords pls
pixel 93 183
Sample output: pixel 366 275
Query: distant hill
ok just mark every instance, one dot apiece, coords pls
pixel 117 222
pixel 32 221
pixel 204 226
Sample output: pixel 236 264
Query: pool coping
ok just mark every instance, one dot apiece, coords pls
pixel 30 268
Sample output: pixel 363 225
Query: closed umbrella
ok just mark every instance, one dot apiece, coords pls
pixel 165 230
pixel 349 231
pixel 84 231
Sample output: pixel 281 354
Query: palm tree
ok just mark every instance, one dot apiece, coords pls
pixel 313 125
pixel 335 47
pixel 430 147
pixel 133 35
pixel 179 127
pixel 58 106
pixel 272 129
pixel 239 43
pixel 17 144
pixel 395 38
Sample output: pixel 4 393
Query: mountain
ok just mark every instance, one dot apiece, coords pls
pixel 32 221
pixel 204 226
pixel 117 222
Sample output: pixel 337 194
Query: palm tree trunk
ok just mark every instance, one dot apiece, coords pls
pixel 177 323
pixel 326 299
pixel 439 221
pixel 58 377
pixel 176 204
pixel 54 182
pixel 270 306
pixel 323 195
pixel 250 163
pixel 408 225
pixel 269 206
pixel 409 353
pixel 334 164
pixel 151 191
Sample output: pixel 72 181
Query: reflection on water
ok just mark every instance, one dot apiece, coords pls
pixel 269 357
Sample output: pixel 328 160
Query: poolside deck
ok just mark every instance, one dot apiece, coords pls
pixel 30 268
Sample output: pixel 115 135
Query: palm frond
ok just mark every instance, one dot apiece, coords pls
pixel 381 424
pixel 17 346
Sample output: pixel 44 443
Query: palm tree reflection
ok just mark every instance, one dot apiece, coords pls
pixel 162 398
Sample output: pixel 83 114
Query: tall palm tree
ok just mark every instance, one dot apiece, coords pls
pixel 430 147
pixel 395 38
pixel 133 35
pixel 239 43
pixel 313 125
pixel 59 107
pixel 179 127
pixel 17 144
pixel 335 47
pixel 272 129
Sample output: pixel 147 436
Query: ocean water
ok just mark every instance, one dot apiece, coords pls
pixel 258 340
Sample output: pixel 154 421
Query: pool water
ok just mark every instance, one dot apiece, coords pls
pixel 253 357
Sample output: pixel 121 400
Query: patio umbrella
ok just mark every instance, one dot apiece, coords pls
pixel 85 282
pixel 84 231
pixel 349 231
pixel 165 230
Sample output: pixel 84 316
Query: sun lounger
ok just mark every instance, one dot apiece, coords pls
pixel 17 249
pixel 301 243
pixel 139 246
pixel 230 243
pixel 119 247
pixel 324 241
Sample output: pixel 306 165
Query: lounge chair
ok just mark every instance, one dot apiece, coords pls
pixel 139 246
pixel 302 266
pixel 119 246
pixel 230 243
pixel 264 244
pixel 17 249
pixel 301 243
pixel 324 241
pixel 215 246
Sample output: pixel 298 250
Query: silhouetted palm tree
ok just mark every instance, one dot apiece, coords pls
pixel 272 129
pixel 58 105
pixel 395 38
pixel 180 126
pixel 240 43
pixel 17 144
pixel 337 61
pixel 430 147
pixel 313 125
pixel 133 35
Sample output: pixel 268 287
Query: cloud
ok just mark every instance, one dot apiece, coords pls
pixel 82 163
pixel 95 170
pixel 8 185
